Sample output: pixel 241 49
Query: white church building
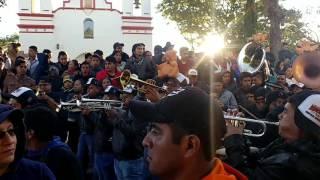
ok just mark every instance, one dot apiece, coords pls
pixel 81 26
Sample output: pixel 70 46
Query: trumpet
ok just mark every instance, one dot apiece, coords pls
pixel 92 104
pixel 248 132
pixel 127 78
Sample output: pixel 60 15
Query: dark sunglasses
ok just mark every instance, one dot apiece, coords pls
pixel 11 132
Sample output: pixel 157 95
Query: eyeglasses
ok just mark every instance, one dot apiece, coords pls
pixel 11 132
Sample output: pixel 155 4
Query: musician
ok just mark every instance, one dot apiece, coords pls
pixel 87 126
pixel 294 155
pixel 23 98
pixel 103 157
pixel 181 139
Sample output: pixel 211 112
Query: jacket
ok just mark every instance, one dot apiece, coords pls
pixel 279 160
pixel 26 169
pixel 59 158
pixel 144 68
pixel 222 171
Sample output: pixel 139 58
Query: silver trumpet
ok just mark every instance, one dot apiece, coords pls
pixel 248 132
pixel 91 104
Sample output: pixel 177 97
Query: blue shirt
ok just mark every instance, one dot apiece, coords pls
pixel 29 170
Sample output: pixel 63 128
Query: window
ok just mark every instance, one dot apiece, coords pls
pixel 88 3
pixel 88 28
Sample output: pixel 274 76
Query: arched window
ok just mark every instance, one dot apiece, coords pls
pixel 88 3
pixel 88 28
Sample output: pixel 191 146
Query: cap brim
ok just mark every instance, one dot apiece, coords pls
pixel 11 114
pixel 145 111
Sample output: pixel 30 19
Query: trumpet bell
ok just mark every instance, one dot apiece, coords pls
pixel 306 69
pixel 251 58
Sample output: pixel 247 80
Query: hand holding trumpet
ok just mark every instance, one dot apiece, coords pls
pixel 234 126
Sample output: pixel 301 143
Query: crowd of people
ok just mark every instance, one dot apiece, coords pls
pixel 172 129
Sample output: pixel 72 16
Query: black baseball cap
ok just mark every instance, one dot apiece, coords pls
pixel 185 106
pixel 93 81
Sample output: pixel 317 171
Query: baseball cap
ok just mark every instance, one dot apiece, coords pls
pixel 112 90
pixel 178 107
pixel 24 96
pixel 93 81
pixel 308 111
pixel 7 111
pixel 129 89
pixel 44 80
pixel 193 72
pixel 67 78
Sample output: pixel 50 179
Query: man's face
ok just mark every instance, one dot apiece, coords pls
pixel 85 69
pixel 226 78
pixel 118 49
pixel 118 57
pixel 281 79
pixel 218 87
pixel 14 103
pixel 193 79
pixel 289 73
pixel 184 54
pixel 21 69
pixel 105 83
pixel 32 53
pixel 277 103
pixel 159 141
pixel 257 80
pixel 110 66
pixel 88 59
pixel 92 90
pixel 8 143
pixel 139 51
pixel 260 103
pixel 95 62
pixel 246 83
pixel 67 85
pixel 63 59
pixel 287 128
pixel 77 86
pixel 45 87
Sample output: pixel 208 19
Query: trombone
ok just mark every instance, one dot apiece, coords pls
pixel 127 78
pixel 248 132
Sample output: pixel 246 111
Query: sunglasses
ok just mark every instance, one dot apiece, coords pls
pixel 11 132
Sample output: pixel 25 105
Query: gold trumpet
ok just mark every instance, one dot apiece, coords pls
pixel 127 78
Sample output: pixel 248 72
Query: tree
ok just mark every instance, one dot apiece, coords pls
pixel 193 17
pixel 2 3
pixel 8 39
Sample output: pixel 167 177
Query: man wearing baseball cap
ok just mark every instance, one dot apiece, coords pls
pixel 186 128
pixel 22 98
pixel 295 155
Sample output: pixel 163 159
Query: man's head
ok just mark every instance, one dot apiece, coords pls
pixel 227 78
pixel 172 84
pixel 301 117
pixel 260 98
pixel 118 47
pixel 276 99
pixel 157 50
pixel 193 76
pixel 217 84
pixel 258 79
pixel 12 139
pixel 45 85
pixel 21 67
pixel 77 86
pixel 112 93
pixel 48 53
pixel 99 53
pixel 85 68
pixel 63 58
pixel 184 53
pixel 33 50
pixel 281 79
pixel 110 64
pixel 22 98
pixel 40 124
pixel 245 81
pixel 138 50
pixel 67 82
pixel 95 61
pixel 94 87
pixel 88 57
pixel 186 126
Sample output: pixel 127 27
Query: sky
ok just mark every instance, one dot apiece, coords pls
pixel 163 29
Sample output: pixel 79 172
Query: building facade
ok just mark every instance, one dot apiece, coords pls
pixel 81 26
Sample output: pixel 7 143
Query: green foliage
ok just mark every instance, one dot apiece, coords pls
pixel 8 39
pixel 193 17
pixel 235 19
